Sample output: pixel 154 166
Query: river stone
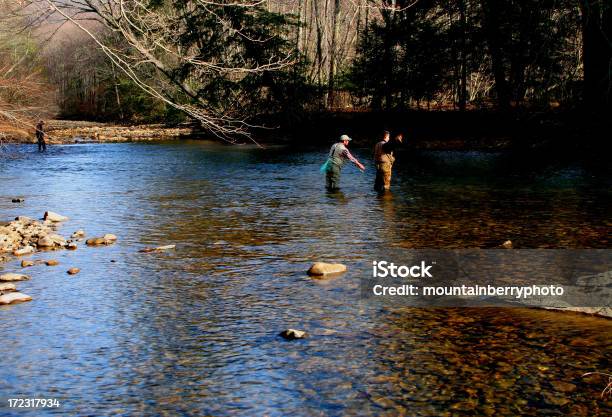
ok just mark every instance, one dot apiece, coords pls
pixel 13 277
pixel 14 297
pixel 58 239
pixel 24 251
pixel 17 200
pixel 110 237
pixel 25 264
pixel 71 246
pixel 78 234
pixel 322 268
pixel 7 287
pixel 73 271
pixel 54 217
pixel 292 334
pixel 46 242
pixel 96 241
pixel 507 244
pixel 52 262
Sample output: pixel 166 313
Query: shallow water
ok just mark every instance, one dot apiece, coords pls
pixel 193 331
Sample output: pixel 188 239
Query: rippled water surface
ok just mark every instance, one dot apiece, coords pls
pixel 194 331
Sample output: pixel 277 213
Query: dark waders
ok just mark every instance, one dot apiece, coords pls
pixel 332 176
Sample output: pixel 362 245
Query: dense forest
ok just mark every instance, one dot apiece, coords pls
pixel 226 63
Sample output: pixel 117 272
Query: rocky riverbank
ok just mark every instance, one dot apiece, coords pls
pixel 68 131
pixel 25 236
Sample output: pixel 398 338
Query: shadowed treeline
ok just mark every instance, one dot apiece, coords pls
pixel 230 65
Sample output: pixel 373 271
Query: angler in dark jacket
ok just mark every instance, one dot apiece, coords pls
pixel 40 136
pixel 384 159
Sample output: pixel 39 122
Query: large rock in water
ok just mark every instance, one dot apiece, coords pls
pixel 54 217
pixel 13 277
pixel 14 297
pixel 107 239
pixel 322 268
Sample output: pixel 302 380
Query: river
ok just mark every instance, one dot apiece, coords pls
pixel 193 331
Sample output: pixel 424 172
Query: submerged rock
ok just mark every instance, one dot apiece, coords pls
pixel 14 277
pixel 292 334
pixel 17 200
pixel 73 271
pixel 322 268
pixel 52 262
pixel 54 217
pixel 14 297
pixel 71 246
pixel 157 249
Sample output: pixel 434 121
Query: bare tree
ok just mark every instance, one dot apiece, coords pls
pixel 24 93
pixel 152 36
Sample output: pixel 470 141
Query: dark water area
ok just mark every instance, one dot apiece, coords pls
pixel 194 331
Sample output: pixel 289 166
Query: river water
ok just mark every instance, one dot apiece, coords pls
pixel 194 331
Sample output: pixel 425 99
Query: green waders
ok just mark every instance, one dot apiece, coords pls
pixel 332 176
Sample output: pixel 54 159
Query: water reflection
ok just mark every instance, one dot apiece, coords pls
pixel 193 331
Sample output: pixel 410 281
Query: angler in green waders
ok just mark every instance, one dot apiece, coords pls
pixel 338 155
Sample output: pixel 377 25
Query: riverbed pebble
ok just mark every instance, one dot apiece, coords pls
pixel 14 297
pixel 13 277
pixel 25 264
pixel 51 262
pixel 322 268
pixel 73 271
pixel 292 334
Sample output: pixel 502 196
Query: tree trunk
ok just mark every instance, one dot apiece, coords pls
pixel 493 37
pixel 333 56
pixel 597 53
pixel 463 57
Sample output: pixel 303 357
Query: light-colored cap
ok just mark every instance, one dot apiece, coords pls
pixel 345 137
